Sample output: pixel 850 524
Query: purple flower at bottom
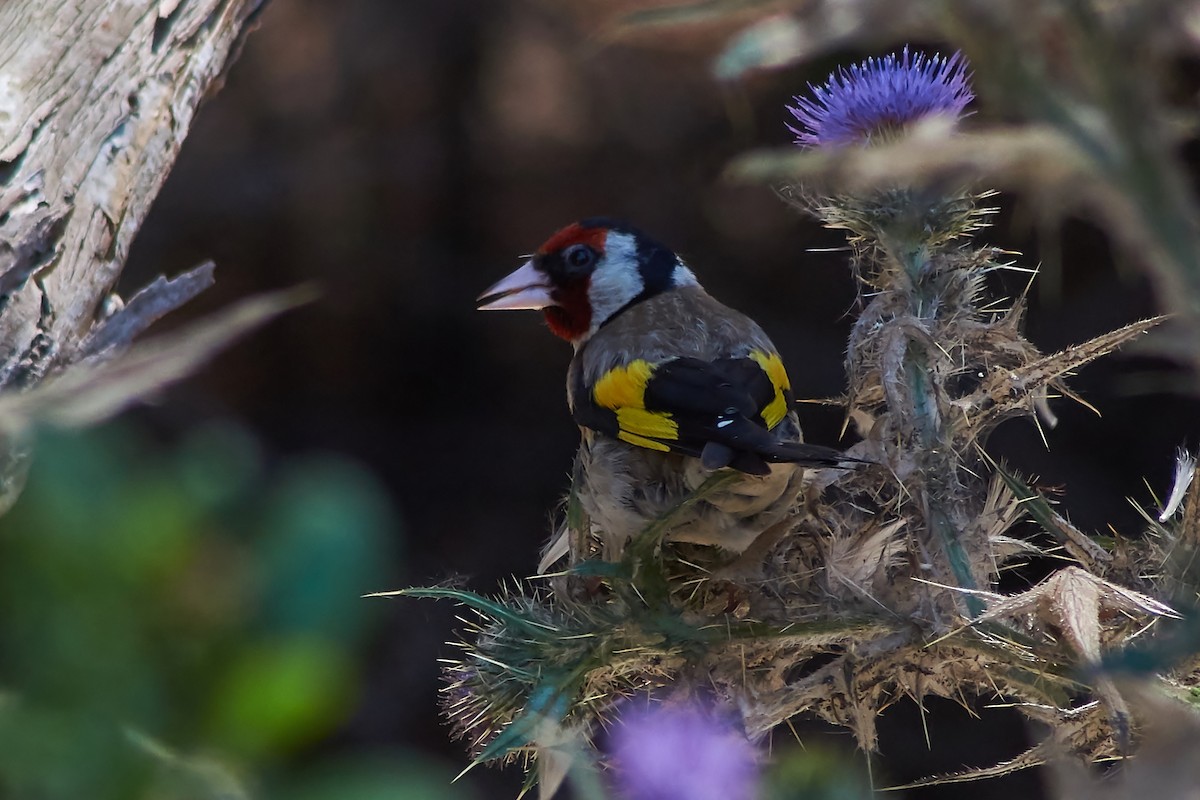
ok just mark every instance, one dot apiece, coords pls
pixel 682 754
pixel 881 95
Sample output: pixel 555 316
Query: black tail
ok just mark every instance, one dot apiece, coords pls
pixel 752 456
pixel 810 455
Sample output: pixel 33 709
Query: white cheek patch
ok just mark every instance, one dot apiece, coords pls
pixel 682 276
pixel 617 279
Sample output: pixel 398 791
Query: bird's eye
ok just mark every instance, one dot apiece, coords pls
pixel 579 256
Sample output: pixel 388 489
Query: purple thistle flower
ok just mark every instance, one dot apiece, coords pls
pixel 880 96
pixel 682 754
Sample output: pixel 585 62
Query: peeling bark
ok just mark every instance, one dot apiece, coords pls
pixel 96 98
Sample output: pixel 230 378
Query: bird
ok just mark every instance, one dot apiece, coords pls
pixel 668 386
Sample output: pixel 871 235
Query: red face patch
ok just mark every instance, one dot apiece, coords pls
pixel 572 317
pixel 574 234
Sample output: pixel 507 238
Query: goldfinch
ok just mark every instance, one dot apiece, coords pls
pixel 667 386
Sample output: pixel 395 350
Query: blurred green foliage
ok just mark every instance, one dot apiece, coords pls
pixel 816 773
pixel 180 622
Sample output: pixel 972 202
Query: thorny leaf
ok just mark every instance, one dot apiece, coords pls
pixel 1033 757
pixel 853 688
pixel 1086 610
pixel 1073 605
pixel 809 634
pixel 1001 510
pixel 562 751
pixel 1071 730
pixel 547 704
pixel 1007 391
pixel 490 608
pixel 1078 544
pixel 831 692
pixel 554 756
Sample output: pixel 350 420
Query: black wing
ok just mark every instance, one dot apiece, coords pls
pixel 722 411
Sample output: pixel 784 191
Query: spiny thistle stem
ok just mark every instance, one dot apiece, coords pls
pixel 937 451
pixel 911 265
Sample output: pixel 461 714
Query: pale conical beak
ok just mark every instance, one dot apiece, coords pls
pixel 525 288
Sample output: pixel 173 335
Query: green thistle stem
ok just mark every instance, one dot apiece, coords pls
pixel 935 441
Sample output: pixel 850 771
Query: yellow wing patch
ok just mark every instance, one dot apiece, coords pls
pixel 642 441
pixel 624 387
pixel 623 390
pixel 656 424
pixel 774 412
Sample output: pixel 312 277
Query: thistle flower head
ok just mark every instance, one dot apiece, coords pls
pixel 682 754
pixel 880 96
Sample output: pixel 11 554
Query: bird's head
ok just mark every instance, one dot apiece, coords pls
pixel 586 274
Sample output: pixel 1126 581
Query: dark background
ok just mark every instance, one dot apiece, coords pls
pixel 403 155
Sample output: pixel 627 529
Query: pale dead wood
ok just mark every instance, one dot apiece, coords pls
pixel 150 303
pixel 96 98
